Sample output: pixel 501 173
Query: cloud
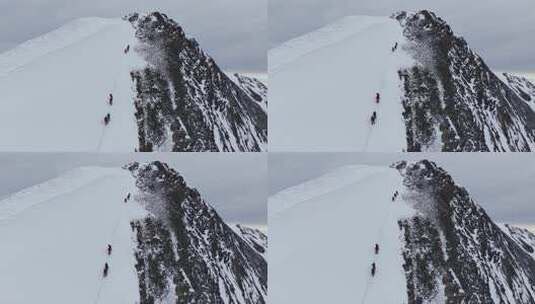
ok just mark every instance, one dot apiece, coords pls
pixel 232 31
pixel 500 31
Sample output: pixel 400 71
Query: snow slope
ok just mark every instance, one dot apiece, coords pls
pixel 54 237
pixel 320 100
pixel 319 251
pixel 55 88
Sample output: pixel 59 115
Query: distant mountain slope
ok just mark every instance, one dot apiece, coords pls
pixel 255 88
pixel 168 95
pixel 436 245
pixel 436 94
pixel 256 238
pixel 168 244
pixel 524 238
pixel 523 87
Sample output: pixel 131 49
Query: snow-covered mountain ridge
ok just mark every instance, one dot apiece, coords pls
pixel 168 94
pixel 169 245
pixel 436 244
pixel 184 101
pixel 454 252
pixel 453 101
pixel 435 92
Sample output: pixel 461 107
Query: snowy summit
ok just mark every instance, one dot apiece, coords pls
pixel 401 234
pixel 124 85
pixel 392 84
pixel 134 235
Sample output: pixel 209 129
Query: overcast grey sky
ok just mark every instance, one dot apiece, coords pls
pixel 234 32
pixel 500 31
pixel 235 184
pixel 500 183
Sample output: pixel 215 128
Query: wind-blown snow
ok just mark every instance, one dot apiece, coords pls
pixel 54 244
pixel 55 89
pixel 322 235
pixel 323 85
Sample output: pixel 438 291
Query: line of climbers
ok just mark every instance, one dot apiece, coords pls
pixel 376 248
pixel 373 118
pixel 395 195
pixel 374 267
pixel 107 118
pixel 109 249
pixel 106 266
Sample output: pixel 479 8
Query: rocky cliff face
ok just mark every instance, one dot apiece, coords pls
pixel 184 101
pixel 453 101
pixel 185 252
pixel 453 251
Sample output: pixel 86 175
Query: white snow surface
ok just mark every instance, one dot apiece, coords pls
pixel 54 239
pixel 322 234
pixel 323 85
pixel 54 89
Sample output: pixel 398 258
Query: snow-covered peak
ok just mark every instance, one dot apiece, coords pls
pixel 436 244
pixel 435 92
pixel 424 19
pixel 166 93
pixel 56 234
pixel 199 107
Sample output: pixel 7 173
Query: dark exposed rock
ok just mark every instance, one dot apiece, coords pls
pixel 184 101
pixel 253 87
pixel 185 252
pixel 453 251
pixel 453 101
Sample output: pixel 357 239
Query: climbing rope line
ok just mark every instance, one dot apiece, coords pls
pixel 113 237
pixel 367 140
pixel 381 241
pixel 114 90
pixel 382 87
